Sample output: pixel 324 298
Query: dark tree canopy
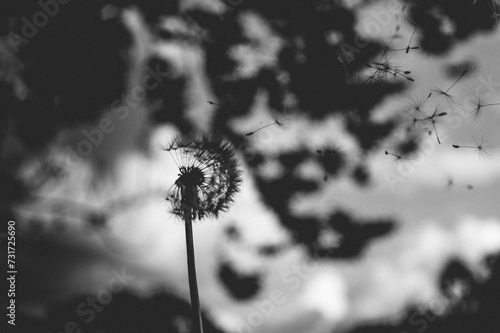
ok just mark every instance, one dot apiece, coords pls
pixel 75 66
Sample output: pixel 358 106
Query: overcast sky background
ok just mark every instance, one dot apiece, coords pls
pixel 436 222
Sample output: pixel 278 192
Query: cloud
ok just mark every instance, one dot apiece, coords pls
pixel 405 270
pixel 263 50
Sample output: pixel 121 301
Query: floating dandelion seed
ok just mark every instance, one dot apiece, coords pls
pixel 412 126
pixel 408 48
pixel 208 179
pixel 432 119
pixel 384 69
pixel 415 106
pixel 399 157
pixel 388 48
pixel 476 107
pixel 495 8
pixel 277 121
pixel 221 105
pixel 481 146
pixel 445 93
pixel 332 157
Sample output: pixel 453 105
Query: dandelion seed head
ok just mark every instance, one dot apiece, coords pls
pixel 208 178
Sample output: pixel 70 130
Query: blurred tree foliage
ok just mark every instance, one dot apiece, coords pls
pixel 468 304
pixel 73 69
pixel 127 313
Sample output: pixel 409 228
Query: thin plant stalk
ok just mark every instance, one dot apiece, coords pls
pixel 193 284
pixel 208 179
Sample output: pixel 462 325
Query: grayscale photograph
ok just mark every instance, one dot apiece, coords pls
pixel 250 166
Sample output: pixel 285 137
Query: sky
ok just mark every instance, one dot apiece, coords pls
pixel 435 222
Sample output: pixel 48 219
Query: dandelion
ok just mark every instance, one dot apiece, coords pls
pixel 445 93
pixel 481 146
pixel 476 107
pixel 332 157
pixel 208 174
pixel 209 177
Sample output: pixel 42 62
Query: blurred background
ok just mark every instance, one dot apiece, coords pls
pixel 366 131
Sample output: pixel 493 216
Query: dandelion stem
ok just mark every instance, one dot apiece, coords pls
pixel 193 284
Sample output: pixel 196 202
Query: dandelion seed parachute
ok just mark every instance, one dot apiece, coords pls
pixel 415 106
pixel 209 176
pixel 481 146
pixel 476 106
pixel 445 93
